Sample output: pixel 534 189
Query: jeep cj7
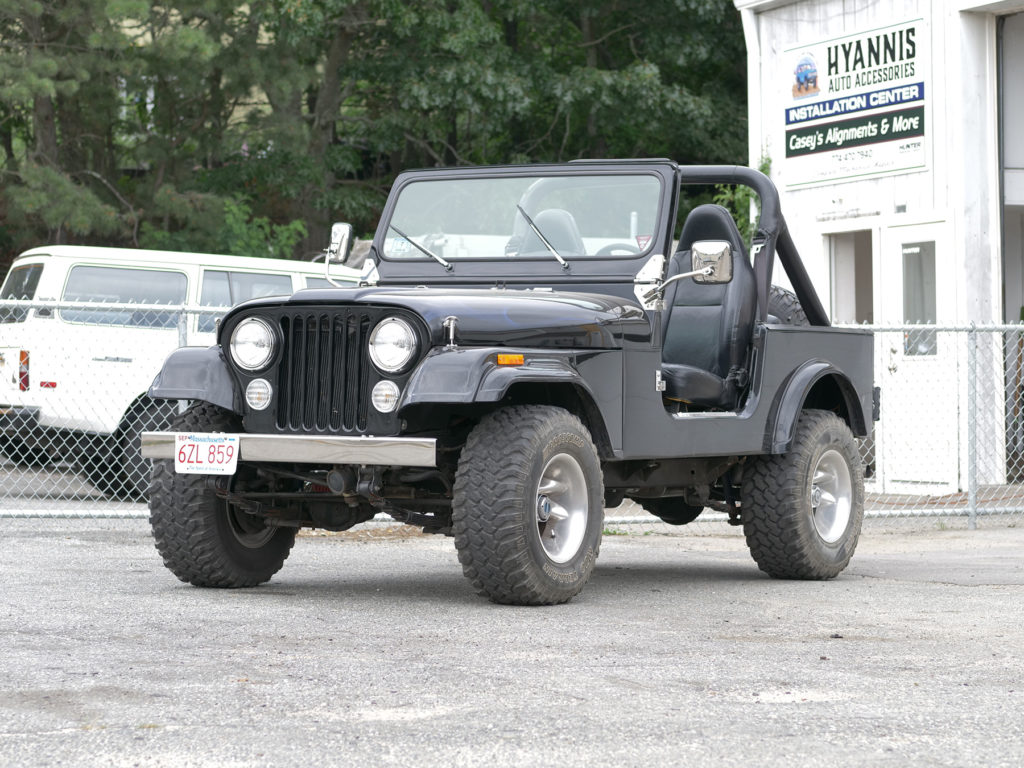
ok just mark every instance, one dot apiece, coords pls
pixel 520 355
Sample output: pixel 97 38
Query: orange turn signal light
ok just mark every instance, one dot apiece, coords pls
pixel 510 359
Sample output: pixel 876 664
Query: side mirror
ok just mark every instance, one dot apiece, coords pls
pixel 716 254
pixel 341 243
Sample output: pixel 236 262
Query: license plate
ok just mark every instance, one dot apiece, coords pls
pixel 197 453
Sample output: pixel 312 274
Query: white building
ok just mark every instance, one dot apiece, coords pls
pixel 895 133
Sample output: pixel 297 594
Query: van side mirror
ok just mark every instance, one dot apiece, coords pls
pixel 341 243
pixel 716 254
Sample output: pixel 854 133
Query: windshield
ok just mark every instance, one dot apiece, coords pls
pixel 21 282
pixel 535 217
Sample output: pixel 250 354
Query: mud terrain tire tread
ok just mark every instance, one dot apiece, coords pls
pixel 494 506
pixel 776 503
pixel 190 524
pixel 785 306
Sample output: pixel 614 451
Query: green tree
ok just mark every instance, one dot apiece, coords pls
pixel 57 113
pixel 144 122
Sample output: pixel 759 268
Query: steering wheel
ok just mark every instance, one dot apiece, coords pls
pixel 609 250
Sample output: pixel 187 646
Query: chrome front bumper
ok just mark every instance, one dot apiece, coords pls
pixel 309 449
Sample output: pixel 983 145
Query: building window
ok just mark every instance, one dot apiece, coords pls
pixel 919 297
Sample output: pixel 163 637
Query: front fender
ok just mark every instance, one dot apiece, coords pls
pixel 196 373
pixel 472 375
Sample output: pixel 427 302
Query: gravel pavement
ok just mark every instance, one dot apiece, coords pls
pixel 373 650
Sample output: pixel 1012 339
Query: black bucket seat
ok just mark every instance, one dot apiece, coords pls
pixel 707 328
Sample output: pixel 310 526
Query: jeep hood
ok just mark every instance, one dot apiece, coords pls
pixel 501 317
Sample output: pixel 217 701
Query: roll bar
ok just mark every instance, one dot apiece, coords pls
pixel 772 237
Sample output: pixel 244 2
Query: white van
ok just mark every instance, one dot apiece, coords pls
pixel 74 373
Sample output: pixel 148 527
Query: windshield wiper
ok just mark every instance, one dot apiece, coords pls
pixel 444 263
pixel 538 233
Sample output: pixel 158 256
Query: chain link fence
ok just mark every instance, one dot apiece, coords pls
pixel 73 382
pixel 949 445
pixel 950 440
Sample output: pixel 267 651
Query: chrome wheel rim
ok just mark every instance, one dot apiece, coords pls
pixel 562 508
pixel 831 496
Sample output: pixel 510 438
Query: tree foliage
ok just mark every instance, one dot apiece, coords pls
pixel 217 124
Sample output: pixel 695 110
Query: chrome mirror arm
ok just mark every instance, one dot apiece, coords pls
pixel 659 290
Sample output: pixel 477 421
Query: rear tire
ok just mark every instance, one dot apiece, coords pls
pixel 203 539
pixel 802 510
pixel 528 508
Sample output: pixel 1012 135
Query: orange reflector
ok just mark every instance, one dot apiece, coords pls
pixel 510 359
pixel 23 380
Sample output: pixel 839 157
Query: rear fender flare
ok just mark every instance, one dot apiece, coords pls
pixel 793 395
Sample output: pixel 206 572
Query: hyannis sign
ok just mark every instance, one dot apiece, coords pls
pixel 856 105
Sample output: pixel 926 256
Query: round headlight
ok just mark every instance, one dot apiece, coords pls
pixel 252 344
pixel 392 345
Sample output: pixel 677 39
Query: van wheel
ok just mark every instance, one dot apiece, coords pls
pixel 802 510
pixel 136 472
pixel 24 455
pixel 101 469
pixel 203 539
pixel 528 509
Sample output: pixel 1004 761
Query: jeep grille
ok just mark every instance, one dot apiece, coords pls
pixel 324 382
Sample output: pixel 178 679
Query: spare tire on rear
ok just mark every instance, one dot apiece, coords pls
pixel 784 307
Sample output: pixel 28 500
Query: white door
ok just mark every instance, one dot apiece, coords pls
pixel 918 370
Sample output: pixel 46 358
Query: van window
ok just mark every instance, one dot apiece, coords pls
pixel 319 282
pixel 225 289
pixel 21 283
pixel 123 285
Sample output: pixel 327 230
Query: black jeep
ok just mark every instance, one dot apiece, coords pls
pixel 520 355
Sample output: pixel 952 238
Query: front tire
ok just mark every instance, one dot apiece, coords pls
pixel 528 508
pixel 202 538
pixel 802 510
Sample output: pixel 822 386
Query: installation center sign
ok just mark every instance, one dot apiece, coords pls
pixel 855 105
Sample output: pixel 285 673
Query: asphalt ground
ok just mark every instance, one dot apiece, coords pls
pixel 372 649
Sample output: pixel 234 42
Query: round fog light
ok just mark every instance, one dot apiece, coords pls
pixel 385 396
pixel 258 394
